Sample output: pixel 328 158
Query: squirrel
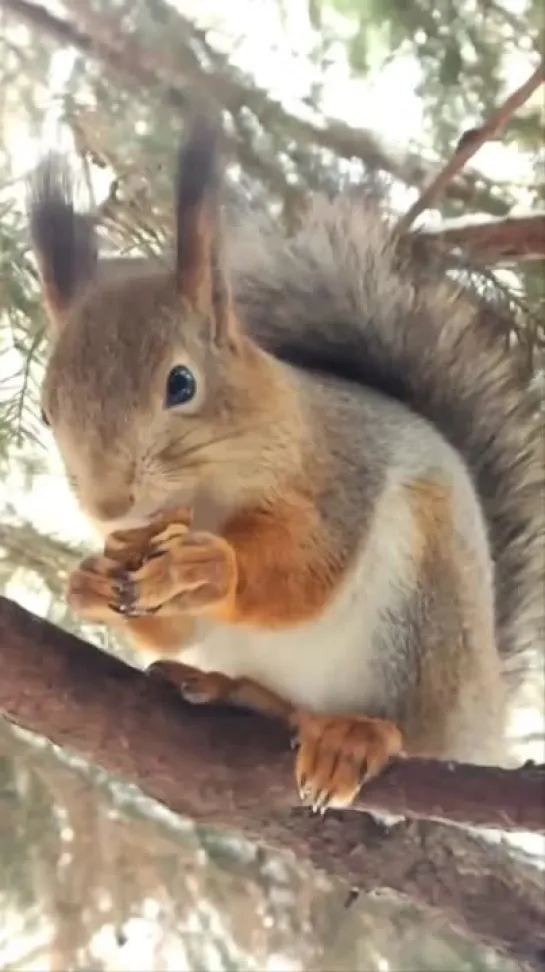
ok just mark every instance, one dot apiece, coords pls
pixel 315 467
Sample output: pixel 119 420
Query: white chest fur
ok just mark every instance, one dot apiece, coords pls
pixel 337 663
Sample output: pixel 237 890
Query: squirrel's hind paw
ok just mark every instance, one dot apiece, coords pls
pixel 200 687
pixel 338 754
pixel 194 685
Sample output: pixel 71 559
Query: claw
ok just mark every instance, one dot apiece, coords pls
pixel 125 587
pixel 321 802
pixel 295 741
pixel 126 592
pixel 126 610
pixel 305 790
pixel 153 553
pixel 191 693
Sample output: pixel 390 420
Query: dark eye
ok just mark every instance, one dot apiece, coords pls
pixel 181 386
pixel 44 418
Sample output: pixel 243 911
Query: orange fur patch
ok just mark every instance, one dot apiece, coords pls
pixel 446 659
pixel 431 504
pixel 164 636
pixel 287 566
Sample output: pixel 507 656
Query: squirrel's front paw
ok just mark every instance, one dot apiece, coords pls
pixel 182 572
pixel 130 547
pixel 101 588
pixel 95 589
pixel 337 755
pixel 150 572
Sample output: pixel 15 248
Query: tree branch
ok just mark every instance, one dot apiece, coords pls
pixel 468 145
pixel 234 770
pixel 232 92
pixel 496 241
pixel 23 546
pixel 124 56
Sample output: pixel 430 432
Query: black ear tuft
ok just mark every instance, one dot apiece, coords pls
pixel 199 168
pixel 63 240
pixel 200 257
pixel 197 209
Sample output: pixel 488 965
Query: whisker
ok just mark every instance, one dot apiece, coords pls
pixel 221 439
pixel 150 454
pixel 195 465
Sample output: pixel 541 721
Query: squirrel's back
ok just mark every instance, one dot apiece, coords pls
pixel 342 297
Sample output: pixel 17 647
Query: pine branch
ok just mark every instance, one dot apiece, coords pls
pixel 468 145
pixel 180 80
pixel 24 547
pixel 122 54
pixel 234 770
pixel 496 241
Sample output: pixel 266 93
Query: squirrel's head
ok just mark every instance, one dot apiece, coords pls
pixel 153 392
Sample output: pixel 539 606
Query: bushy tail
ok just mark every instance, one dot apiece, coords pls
pixel 342 298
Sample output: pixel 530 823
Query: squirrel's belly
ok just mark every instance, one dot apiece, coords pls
pixel 338 662
pixel 327 665
pixel 323 671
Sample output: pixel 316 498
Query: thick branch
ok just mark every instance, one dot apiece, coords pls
pixel 496 241
pixel 469 143
pixel 234 770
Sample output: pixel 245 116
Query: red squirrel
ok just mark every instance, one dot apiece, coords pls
pixel 316 470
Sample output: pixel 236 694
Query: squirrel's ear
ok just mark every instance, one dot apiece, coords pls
pixel 200 271
pixel 63 240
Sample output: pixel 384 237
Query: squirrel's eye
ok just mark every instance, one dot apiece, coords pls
pixel 181 386
pixel 44 418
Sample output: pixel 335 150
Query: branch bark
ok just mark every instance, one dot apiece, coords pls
pixel 123 55
pixel 234 770
pixel 497 241
pixel 468 145
pixel 104 38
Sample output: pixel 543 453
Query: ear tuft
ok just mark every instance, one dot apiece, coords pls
pixel 199 251
pixel 64 241
pixel 199 169
pixel 197 206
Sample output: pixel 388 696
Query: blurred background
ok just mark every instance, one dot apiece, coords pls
pixel 315 94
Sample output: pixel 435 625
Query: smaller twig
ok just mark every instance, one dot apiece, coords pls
pixel 468 145
pixel 24 392
pixel 495 241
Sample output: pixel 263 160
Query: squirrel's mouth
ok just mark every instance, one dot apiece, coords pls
pixel 147 514
pixel 195 503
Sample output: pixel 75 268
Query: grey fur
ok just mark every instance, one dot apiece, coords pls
pixel 342 298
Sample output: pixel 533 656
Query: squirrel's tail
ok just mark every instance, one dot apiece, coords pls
pixel 343 298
